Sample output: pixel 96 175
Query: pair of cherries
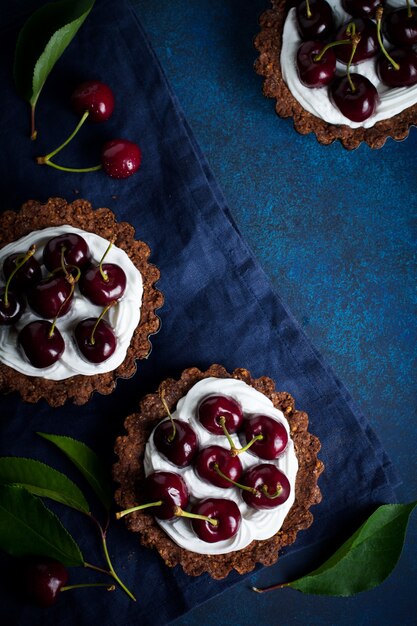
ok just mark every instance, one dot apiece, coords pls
pixel 120 158
pixel 354 95
pixel 264 485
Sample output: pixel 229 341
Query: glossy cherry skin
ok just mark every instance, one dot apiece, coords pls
pixel 51 297
pixel 76 251
pixel 103 292
pixel 41 349
pixel 168 487
pixel 42 580
pixel 361 8
pixel 104 340
pixel 226 512
pixel 11 313
pixel 368 46
pixel 120 158
pixel 95 97
pixel 182 449
pixel 26 276
pixel 274 433
pixel 321 23
pixel 212 408
pixel 265 474
pixel 313 73
pixel 400 29
pixel 228 464
pixel 406 75
pixel 356 105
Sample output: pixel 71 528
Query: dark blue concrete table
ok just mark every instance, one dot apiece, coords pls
pixel 336 231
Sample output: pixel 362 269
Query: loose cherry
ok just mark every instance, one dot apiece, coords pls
pixel 225 514
pixel 67 249
pixel 316 66
pixel 42 343
pixel 215 407
pixel 42 580
pixel 314 19
pixel 175 439
pixel 104 283
pixel 95 97
pixel 400 26
pixel 367 45
pixel 12 304
pixel 95 338
pixel 361 8
pixel 218 466
pixel 266 486
pixel 120 158
pixel 273 440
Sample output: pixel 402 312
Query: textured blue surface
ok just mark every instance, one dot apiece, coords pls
pixel 336 232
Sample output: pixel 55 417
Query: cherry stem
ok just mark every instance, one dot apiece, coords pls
pixel 49 156
pixel 174 428
pixel 355 41
pixel 100 266
pixel 233 482
pixel 181 513
pixel 80 585
pixel 102 314
pixel 222 422
pixel 409 11
pixel 332 44
pixel 266 493
pixel 308 10
pixel 33 131
pixel 235 451
pixel 18 265
pixel 120 514
pixel 95 168
pixel 51 332
pixel 378 16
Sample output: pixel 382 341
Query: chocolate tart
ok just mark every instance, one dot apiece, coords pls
pixel 55 212
pixel 129 474
pixel 269 44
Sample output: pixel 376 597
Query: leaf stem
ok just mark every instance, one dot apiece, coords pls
pixel 270 588
pixel 81 585
pixel 33 131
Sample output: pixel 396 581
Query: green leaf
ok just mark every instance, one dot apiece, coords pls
pixel 41 42
pixel 27 527
pixel 365 559
pixel 42 480
pixel 88 463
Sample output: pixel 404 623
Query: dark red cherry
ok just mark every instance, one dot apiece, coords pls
pixel 314 73
pixel 367 47
pixel 406 75
pixel 227 514
pixel 42 580
pixel 95 97
pixel 272 486
pixel 95 339
pixel 212 408
pixel 361 8
pixel 42 343
pixel 400 28
pixel 181 448
pixel 71 246
pixel 356 105
pixel 214 457
pixel 51 297
pixel 120 158
pixel 27 275
pixel 102 291
pixel 274 436
pixel 318 25
pixel 11 307
pixel 168 488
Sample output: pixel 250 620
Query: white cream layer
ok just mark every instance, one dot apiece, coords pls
pixel 256 524
pixel 124 317
pixel 316 101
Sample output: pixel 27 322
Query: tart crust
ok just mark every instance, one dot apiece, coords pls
pixel 269 43
pixel 129 473
pixel 35 216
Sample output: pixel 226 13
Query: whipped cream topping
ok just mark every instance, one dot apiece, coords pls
pixel 255 524
pixel 316 101
pixel 123 317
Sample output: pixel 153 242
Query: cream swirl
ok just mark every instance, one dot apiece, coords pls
pixel 316 101
pixel 124 317
pixel 256 524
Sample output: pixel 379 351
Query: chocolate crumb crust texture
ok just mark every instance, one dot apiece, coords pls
pixel 269 43
pixel 128 472
pixel 35 216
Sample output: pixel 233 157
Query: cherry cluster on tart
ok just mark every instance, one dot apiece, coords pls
pixel 343 69
pixel 224 481
pixel 78 302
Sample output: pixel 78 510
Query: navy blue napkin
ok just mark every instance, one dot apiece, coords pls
pixel 219 307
